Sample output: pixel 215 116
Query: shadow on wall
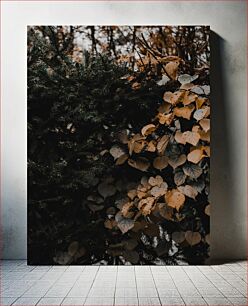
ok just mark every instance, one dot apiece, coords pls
pixel 224 227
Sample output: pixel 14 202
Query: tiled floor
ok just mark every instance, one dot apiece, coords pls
pixel 123 285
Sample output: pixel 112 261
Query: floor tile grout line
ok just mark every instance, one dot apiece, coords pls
pixel 193 283
pixel 211 283
pixel 232 285
pixel 73 284
pixel 175 285
pixel 87 295
pixel 155 286
pixel 136 286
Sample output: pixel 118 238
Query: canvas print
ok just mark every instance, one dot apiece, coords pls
pixel 118 145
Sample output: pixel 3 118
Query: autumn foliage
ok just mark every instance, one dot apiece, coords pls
pixel 119 145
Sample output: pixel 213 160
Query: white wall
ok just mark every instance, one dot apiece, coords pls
pixel 229 99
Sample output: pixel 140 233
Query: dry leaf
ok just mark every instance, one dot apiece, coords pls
pixel 151 146
pixel 177 161
pixel 136 86
pixel 159 191
pixel 73 247
pixel 121 160
pixel 141 164
pixel 193 171
pixel 148 129
pixel 174 198
pixel 207 210
pixel 94 207
pixel 200 101
pixel 178 237
pixel 165 118
pixel 131 256
pixel 124 224
pixel 186 78
pixel 184 112
pixel 162 144
pixel 179 178
pixel 192 238
pixel 125 210
pixel 146 205
pixel 195 156
pixel 207 150
pixel 171 68
pixel 188 191
pixel 164 108
pixel 116 151
pixel 165 211
pixel 110 224
pixel 106 190
pixel 160 162
pixel 201 113
pixel 205 124
pixel 189 98
pixel 173 98
pixel 132 194
pixel 207 238
pixel 205 136
pixel 155 181
pixel 180 137
pixel 191 137
pixel 95 198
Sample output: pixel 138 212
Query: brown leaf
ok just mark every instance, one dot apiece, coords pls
pixel 177 161
pixel 189 98
pixel 130 244
pixel 131 256
pixel 171 68
pixel 116 151
pixel 125 210
pixel 207 210
pixel 141 164
pixel 164 108
pixel 160 162
pixel 151 146
pixel 121 160
pixel 192 238
pixel 155 181
pixel 110 224
pixel 174 198
pixel 165 118
pixel 159 191
pixel 205 136
pixel 200 101
pixel 132 194
pixel 207 238
pixel 73 247
pixel 178 237
pixel 165 211
pixel 95 198
pixel 195 156
pixel 188 191
pixel 191 137
pixel 148 129
pixel 173 98
pixel 193 171
pixel 80 253
pixel 180 137
pixel 207 150
pixel 94 207
pixel 162 144
pixel 184 112
pixel 205 124
pixel 124 224
pixel 201 113
pixel 136 86
pixel 106 190
pixel 146 205
pixel 179 178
